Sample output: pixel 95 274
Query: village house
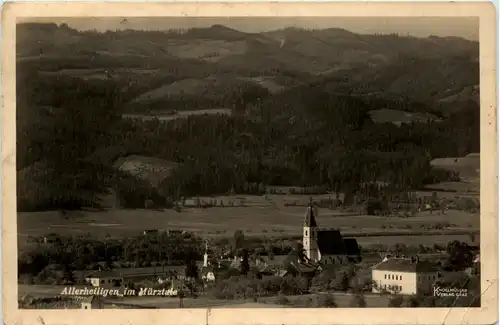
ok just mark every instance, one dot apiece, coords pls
pixel 168 272
pixel 296 267
pixel 406 276
pixel 105 279
pixel 118 277
pixel 327 246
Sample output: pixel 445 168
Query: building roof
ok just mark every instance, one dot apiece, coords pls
pixel 276 261
pixel 330 242
pixel 310 220
pixel 104 274
pixel 139 271
pixel 405 265
pixel 304 267
pixel 351 246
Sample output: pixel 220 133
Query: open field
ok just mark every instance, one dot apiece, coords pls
pixel 40 291
pixel 179 114
pixel 261 217
pixel 342 299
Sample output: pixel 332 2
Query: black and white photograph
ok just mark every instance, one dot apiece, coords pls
pixel 248 162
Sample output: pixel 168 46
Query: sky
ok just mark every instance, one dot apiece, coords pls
pixel 467 27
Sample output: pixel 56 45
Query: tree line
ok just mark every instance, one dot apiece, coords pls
pixel 70 132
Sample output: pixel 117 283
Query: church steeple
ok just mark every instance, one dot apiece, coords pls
pixel 310 234
pixel 310 220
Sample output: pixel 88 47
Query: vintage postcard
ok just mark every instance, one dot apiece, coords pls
pixel 249 163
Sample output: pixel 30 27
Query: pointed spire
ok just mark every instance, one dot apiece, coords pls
pixel 310 220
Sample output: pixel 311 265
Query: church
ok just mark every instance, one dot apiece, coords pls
pixel 327 246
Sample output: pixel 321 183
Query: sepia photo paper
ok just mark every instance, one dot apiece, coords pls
pixel 249 163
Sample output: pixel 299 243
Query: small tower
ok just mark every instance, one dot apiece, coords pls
pixel 310 234
pixel 205 256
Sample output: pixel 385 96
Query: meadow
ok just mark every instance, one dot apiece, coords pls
pixel 261 217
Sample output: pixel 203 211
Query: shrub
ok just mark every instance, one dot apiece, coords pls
pixel 395 301
pixel 282 300
pixel 413 302
pixel 358 301
pixel 327 300
pixel 430 301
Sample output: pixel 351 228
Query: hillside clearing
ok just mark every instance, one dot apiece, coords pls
pixel 150 169
pixel 205 49
pixel 467 167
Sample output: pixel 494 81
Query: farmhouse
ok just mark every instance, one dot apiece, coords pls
pixel 326 246
pixel 407 276
pixel 296 267
pixel 118 277
pixel 105 279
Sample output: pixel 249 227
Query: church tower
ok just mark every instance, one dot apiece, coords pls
pixel 310 234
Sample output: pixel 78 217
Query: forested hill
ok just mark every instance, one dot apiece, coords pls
pixel 312 130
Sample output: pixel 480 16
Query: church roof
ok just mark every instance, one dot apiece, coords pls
pixel 330 242
pixel 351 246
pixel 310 220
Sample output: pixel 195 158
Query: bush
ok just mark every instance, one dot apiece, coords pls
pixel 395 301
pixel 358 301
pixel 282 300
pixel 327 300
pixel 413 302
pixel 237 287
pixel 430 301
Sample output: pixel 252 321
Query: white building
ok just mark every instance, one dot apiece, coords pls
pixel 326 246
pixel 406 276
pixel 105 279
